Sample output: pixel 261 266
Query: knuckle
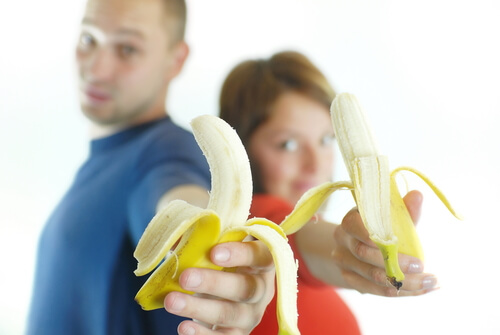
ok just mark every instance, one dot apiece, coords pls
pixel 378 276
pixel 349 278
pixel 389 291
pixel 349 222
pixel 337 257
pixel 227 315
pixel 360 250
pixel 250 292
pixel 254 320
pixel 338 232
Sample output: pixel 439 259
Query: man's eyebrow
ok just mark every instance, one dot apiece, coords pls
pixel 130 32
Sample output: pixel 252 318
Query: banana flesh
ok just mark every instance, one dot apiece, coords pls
pixel 376 193
pixel 197 230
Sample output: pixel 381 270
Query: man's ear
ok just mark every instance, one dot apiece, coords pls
pixel 179 54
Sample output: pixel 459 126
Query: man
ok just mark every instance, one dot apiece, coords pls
pixel 128 53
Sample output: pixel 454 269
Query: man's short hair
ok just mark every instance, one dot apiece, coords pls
pixel 176 18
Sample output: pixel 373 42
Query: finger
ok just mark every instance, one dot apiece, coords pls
pixel 353 225
pixel 192 328
pixel 413 285
pixel 210 311
pixel 352 234
pixel 252 254
pixel 240 287
pixel 413 201
pixel 421 282
pixel 348 262
pixel 189 327
pixel 364 285
pixel 368 262
pixel 347 243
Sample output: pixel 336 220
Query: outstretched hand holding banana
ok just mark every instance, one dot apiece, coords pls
pixel 197 230
pixel 375 190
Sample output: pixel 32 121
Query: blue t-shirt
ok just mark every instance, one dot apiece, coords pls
pixel 84 280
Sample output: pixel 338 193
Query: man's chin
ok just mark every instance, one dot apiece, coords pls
pixel 98 115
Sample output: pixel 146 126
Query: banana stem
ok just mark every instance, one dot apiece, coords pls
pixel 394 274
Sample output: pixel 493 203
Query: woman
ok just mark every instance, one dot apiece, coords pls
pixel 280 109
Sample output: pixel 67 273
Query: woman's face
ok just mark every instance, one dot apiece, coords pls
pixel 294 147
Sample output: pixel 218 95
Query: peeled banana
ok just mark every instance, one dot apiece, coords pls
pixel 376 193
pixel 197 230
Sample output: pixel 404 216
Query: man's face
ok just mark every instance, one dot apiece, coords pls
pixel 124 58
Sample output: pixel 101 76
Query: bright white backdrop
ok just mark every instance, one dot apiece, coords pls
pixel 427 73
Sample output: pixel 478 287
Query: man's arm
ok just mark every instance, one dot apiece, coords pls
pixel 193 194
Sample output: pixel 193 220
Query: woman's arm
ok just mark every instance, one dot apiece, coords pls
pixel 344 256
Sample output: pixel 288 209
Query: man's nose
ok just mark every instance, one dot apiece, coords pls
pixel 100 66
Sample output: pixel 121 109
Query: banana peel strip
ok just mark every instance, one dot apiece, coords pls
pixel 309 203
pixel 286 271
pixel 201 229
pixel 434 188
pixel 161 238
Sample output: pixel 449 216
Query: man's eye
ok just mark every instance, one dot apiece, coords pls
pixel 86 40
pixel 126 51
pixel 289 145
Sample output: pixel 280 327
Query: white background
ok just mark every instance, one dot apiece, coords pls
pixel 427 73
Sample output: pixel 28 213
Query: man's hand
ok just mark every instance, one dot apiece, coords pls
pixel 226 302
pixel 362 265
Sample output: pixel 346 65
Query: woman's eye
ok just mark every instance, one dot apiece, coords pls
pixel 289 145
pixel 327 140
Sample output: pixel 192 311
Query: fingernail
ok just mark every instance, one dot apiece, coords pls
pixel 187 330
pixel 193 280
pixel 178 304
pixel 415 267
pixel 222 255
pixel 429 282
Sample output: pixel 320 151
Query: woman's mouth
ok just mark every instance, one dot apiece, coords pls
pixel 302 187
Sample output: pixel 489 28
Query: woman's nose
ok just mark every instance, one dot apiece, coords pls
pixel 311 159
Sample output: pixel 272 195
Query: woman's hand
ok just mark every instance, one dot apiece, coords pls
pixel 361 263
pixel 226 302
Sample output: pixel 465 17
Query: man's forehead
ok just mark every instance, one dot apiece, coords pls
pixel 124 16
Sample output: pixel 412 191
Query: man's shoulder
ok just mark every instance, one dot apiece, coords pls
pixel 169 142
pixel 168 131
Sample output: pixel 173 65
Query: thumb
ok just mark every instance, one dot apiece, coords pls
pixel 413 201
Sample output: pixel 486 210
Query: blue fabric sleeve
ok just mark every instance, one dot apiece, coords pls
pixel 172 160
pixel 144 199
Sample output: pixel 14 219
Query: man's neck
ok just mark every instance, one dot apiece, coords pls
pixel 97 130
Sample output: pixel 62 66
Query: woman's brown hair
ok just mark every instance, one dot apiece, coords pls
pixel 253 86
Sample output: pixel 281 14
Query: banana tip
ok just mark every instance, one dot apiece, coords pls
pixel 394 282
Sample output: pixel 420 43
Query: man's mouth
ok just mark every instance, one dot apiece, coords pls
pixel 95 95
